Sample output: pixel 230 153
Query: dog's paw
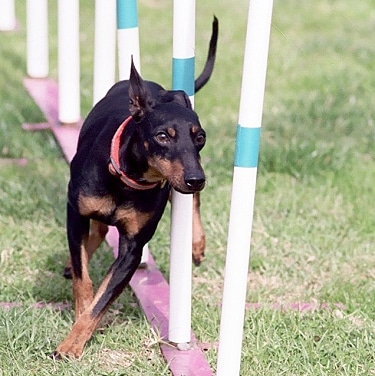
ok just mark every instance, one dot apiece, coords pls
pixel 67 273
pixel 66 353
pixel 56 356
pixel 198 251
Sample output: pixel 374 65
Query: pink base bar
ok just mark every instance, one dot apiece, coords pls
pixel 148 284
pixel 44 91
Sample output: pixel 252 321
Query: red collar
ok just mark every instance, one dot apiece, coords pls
pixel 114 161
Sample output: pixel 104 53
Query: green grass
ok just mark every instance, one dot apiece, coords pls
pixel 314 216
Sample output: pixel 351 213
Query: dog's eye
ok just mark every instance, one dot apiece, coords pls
pixel 162 138
pixel 200 139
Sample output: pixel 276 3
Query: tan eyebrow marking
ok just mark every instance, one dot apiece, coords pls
pixel 171 132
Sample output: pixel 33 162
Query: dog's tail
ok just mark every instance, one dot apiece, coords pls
pixel 210 62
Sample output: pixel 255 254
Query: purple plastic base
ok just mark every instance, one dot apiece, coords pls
pixel 148 284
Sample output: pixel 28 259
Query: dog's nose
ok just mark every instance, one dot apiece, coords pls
pixel 195 183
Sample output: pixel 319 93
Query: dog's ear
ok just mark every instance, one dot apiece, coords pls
pixel 140 100
pixel 176 96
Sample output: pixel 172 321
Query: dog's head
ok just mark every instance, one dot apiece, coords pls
pixel 170 133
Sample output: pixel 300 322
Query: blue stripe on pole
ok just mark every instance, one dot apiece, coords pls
pixel 247 147
pixel 127 14
pixel 183 75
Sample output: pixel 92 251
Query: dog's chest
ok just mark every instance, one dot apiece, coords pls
pixel 128 217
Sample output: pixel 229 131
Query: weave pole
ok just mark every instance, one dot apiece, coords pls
pixel 7 15
pixel 243 191
pixel 128 37
pixel 69 103
pixel 181 212
pixel 128 49
pixel 105 48
pixel 37 38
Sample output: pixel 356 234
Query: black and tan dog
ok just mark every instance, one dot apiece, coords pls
pixel 137 142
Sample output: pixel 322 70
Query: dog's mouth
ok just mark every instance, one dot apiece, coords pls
pixel 180 185
pixel 178 177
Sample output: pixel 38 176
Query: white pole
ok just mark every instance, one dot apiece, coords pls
pixel 181 215
pixel 37 38
pixel 68 61
pixel 244 181
pixel 128 37
pixel 128 47
pixel 105 47
pixel 7 15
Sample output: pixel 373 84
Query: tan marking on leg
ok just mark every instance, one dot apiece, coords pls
pixel 199 239
pixel 97 234
pixel 84 326
pixel 98 231
pixel 81 332
pixel 102 288
pixel 82 287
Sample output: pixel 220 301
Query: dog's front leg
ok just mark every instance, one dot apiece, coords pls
pixel 199 239
pixel 113 284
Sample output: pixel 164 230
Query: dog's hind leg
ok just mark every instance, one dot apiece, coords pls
pixel 199 239
pixel 78 239
pixel 98 231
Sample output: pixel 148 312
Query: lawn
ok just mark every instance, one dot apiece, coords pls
pixel 313 236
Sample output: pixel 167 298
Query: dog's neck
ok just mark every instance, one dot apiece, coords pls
pixel 114 162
